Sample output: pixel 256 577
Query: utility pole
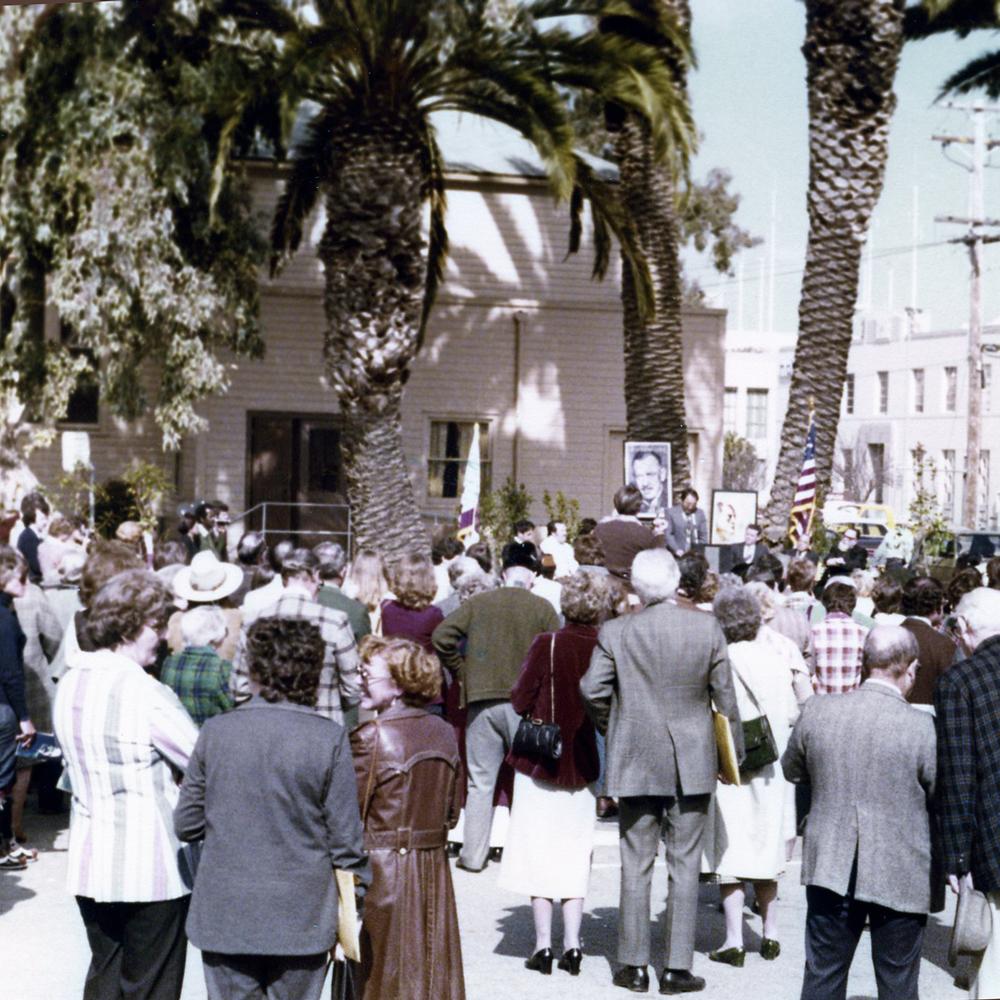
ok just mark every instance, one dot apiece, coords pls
pixel 974 237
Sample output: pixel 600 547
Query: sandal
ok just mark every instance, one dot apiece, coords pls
pixel 24 854
pixel 8 863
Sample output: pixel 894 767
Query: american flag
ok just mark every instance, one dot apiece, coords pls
pixel 804 504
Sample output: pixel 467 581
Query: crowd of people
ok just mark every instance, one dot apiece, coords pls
pixel 236 723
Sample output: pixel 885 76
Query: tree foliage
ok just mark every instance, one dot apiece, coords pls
pixel 706 209
pixel 740 463
pixel 106 150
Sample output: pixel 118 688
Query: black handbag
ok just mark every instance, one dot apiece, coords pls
pixel 342 985
pixel 535 738
pixel 759 743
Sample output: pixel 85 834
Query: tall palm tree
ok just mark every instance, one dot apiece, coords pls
pixel 375 72
pixel 852 51
pixel 654 370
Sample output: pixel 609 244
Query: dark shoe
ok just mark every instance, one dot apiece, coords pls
pixel 541 962
pixel 632 977
pixel 570 962
pixel 465 868
pixel 769 949
pixel 680 981
pixel 454 849
pixel 496 854
pixel 730 956
pixel 606 807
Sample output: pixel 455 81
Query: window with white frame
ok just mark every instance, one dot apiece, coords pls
pixel 883 392
pixel 849 394
pixel 918 390
pixel 950 390
pixel 729 411
pixel 448 456
pixel 756 414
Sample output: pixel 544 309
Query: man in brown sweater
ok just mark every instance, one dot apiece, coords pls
pixel 498 627
pixel 624 536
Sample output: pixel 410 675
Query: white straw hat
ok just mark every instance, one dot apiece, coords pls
pixel 207 579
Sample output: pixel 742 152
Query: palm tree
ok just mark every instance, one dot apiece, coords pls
pixel 852 51
pixel 962 17
pixel 376 71
pixel 654 370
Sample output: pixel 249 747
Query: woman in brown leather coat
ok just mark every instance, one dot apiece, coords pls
pixel 408 770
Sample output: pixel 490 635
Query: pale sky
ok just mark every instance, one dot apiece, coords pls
pixel 749 96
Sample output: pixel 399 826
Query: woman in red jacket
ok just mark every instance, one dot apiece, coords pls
pixel 551 833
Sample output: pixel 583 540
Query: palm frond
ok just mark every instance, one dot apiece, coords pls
pixel 311 164
pixel 937 17
pixel 437 241
pixel 503 88
pixel 980 74
pixel 610 219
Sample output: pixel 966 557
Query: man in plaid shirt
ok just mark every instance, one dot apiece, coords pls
pixel 967 709
pixel 838 641
pixel 198 675
pixel 339 682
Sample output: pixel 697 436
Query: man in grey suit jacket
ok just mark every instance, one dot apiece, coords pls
pixel 650 687
pixel 870 759
pixel 687 527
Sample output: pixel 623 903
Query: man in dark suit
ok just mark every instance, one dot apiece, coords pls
pixel 746 552
pixel 35 515
pixel 686 528
pixel 650 687
pixel 922 600
pixel 967 704
pixel 867 848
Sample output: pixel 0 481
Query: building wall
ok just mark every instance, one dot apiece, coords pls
pixel 940 431
pixel 508 278
pixel 755 361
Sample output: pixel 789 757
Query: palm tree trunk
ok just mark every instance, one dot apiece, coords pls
pixel 852 52
pixel 654 362
pixel 373 256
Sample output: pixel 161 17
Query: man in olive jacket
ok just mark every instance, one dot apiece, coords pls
pixel 497 627
pixel 652 680
pixel 870 759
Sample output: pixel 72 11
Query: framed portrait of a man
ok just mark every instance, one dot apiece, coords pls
pixel 733 511
pixel 647 467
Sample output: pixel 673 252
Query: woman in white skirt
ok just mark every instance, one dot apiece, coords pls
pixel 754 819
pixel 551 832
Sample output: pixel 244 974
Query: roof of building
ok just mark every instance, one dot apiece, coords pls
pixel 470 145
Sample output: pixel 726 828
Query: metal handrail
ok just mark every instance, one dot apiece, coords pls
pixel 262 507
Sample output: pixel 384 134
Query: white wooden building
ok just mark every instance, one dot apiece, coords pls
pixel 521 340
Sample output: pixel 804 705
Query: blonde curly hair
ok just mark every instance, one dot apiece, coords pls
pixel 414 671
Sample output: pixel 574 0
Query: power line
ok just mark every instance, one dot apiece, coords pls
pixel 877 255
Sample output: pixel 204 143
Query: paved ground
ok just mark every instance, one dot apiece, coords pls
pixel 43 951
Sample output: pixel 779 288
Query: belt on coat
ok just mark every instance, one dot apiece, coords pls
pixel 405 839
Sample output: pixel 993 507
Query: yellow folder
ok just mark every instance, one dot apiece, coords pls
pixel 347 917
pixel 729 766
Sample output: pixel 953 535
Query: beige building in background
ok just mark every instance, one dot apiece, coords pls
pixel 521 341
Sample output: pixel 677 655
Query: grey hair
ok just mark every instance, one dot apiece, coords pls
pixel 462 566
pixel 474 583
pixel 332 560
pixel 737 611
pixel 655 575
pixel 765 596
pixel 981 609
pixel 518 576
pixel 889 649
pixel 727 580
pixel 204 625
